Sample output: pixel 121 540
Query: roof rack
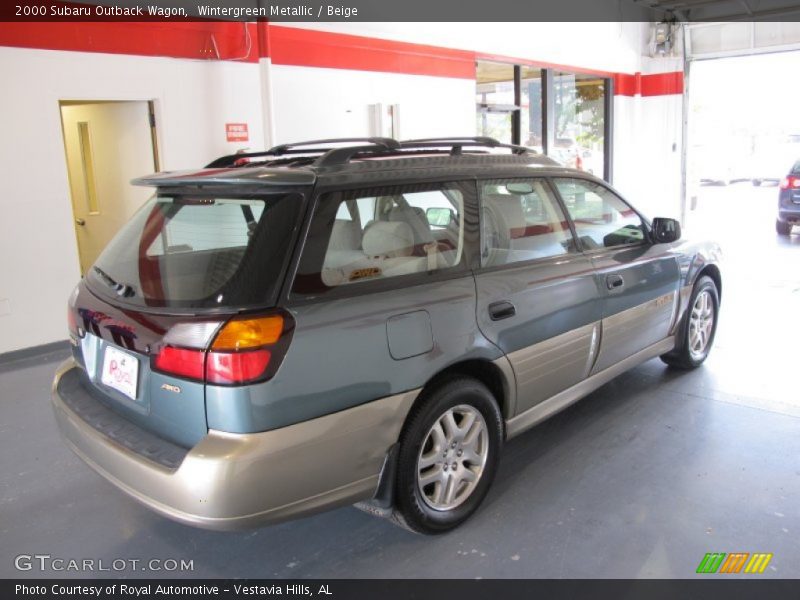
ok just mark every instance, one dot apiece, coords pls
pixel 380 143
pixel 337 156
pixel 377 146
pixel 457 144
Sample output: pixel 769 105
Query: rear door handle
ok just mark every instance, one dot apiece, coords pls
pixel 501 310
pixel 614 282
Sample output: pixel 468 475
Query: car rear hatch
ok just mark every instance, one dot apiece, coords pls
pixel 186 294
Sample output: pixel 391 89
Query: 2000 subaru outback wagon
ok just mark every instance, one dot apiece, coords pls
pixel 322 324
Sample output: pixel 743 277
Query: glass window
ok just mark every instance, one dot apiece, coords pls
pixel 602 219
pixel 495 100
pixel 531 108
pixel 521 221
pixel 579 121
pixel 196 226
pixel 195 251
pixel 385 233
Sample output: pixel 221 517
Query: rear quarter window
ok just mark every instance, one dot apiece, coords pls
pixel 360 239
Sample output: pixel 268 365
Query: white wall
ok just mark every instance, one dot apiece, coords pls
pixel 39 264
pixel 601 46
pixel 312 103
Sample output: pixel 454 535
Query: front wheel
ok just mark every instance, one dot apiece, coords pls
pixel 698 328
pixel 448 456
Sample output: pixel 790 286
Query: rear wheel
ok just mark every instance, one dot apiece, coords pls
pixel 782 227
pixel 448 456
pixel 698 328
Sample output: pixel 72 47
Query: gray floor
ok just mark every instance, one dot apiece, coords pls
pixel 640 479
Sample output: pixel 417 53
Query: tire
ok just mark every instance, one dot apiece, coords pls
pixel 449 497
pixel 782 227
pixel 697 332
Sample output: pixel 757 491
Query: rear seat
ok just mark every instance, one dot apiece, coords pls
pixel 387 249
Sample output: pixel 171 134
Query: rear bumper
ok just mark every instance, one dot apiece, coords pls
pixel 789 214
pixel 235 481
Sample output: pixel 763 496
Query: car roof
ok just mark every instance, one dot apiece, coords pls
pixel 305 163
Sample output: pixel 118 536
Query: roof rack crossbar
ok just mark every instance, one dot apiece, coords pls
pixel 338 156
pixel 457 144
pixel 483 140
pixel 297 148
pixel 384 142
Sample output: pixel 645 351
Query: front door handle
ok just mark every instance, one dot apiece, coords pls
pixel 614 282
pixel 501 310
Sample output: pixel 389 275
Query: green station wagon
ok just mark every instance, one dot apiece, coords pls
pixel 363 321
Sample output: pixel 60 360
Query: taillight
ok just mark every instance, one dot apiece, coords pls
pixel 236 367
pixel 243 350
pixel 790 182
pixel 183 362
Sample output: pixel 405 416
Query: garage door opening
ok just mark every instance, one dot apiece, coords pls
pixel 106 145
pixel 743 132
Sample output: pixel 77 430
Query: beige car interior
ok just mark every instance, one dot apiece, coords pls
pixel 398 241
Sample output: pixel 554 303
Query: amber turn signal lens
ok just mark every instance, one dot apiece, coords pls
pixel 240 334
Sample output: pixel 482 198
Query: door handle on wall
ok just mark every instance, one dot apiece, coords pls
pixel 614 282
pixel 501 310
pixel 80 222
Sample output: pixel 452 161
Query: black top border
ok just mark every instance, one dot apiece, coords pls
pixel 495 12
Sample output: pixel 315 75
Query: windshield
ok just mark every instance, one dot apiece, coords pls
pixel 199 251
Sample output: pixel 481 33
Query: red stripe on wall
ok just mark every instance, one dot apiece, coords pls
pixel 662 84
pixel 310 48
pixel 210 40
pixel 627 85
pixel 237 41
pixel 654 84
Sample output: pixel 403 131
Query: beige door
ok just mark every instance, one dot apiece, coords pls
pixel 107 144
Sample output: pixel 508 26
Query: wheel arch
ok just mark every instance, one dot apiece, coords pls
pixel 496 375
pixel 712 271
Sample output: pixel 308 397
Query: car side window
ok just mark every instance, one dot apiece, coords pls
pixel 602 219
pixel 520 221
pixel 381 233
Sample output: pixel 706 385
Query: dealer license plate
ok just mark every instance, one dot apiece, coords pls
pixel 120 371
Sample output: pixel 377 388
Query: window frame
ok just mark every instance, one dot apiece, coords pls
pixel 322 195
pixel 548 125
pixel 646 240
pixel 545 180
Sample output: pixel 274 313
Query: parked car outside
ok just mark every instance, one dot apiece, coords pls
pixel 363 321
pixel 770 160
pixel 789 201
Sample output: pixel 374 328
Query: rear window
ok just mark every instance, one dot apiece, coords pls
pixel 199 252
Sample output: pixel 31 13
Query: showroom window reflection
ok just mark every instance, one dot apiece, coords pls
pixel 564 115
pixel 579 121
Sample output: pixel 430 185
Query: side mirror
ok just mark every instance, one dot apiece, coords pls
pixel 665 230
pixel 439 217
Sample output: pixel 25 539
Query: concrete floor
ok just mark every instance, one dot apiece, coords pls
pixel 640 479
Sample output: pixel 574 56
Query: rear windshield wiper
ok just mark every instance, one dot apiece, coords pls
pixel 122 289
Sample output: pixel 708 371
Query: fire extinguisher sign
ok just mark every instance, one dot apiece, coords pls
pixel 236 132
